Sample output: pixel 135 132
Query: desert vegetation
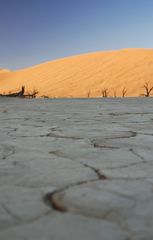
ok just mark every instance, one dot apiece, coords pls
pixel 113 70
pixel 21 93
pixel 124 92
pixel 104 92
pixel 88 94
pixel 147 89
pixel 32 94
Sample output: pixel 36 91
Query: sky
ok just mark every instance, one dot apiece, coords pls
pixel 35 31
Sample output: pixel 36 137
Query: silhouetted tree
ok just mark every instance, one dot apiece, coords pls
pixel 104 92
pixel 124 92
pixel 147 89
pixel 21 94
pixel 14 94
pixel 88 94
pixel 32 94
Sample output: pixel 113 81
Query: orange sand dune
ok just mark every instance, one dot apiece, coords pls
pixel 78 75
pixel 2 70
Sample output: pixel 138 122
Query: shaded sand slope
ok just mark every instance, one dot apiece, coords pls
pixel 76 76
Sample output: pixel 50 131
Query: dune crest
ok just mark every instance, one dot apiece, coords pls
pixel 86 75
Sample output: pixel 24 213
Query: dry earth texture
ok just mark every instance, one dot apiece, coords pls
pixel 86 75
pixel 76 169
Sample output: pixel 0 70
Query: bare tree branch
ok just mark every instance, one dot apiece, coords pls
pixel 148 89
pixel 32 94
pixel 124 92
pixel 104 92
pixel 88 94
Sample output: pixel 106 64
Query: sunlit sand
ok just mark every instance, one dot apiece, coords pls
pixel 86 75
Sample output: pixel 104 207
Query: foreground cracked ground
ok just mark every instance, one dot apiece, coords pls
pixel 76 169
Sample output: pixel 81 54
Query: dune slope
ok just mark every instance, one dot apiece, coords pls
pixel 80 75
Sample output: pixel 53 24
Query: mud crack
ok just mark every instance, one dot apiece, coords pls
pixel 55 202
pixel 54 199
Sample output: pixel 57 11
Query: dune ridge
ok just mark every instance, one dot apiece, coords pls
pixel 86 75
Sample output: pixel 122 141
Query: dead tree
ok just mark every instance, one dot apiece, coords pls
pixel 147 89
pixel 21 94
pixel 88 94
pixel 16 94
pixel 104 93
pixel 124 92
pixel 32 94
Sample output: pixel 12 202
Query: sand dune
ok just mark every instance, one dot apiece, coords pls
pixel 3 70
pixel 76 76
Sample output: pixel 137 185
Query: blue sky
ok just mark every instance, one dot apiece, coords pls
pixel 35 31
